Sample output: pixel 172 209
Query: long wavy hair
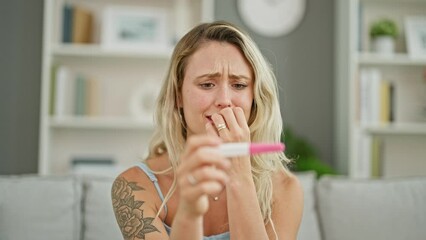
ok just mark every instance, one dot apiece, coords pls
pixel 265 120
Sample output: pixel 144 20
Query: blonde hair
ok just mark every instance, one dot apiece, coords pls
pixel 265 119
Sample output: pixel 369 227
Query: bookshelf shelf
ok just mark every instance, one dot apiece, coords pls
pixel 100 123
pixel 367 58
pixel 397 129
pixel 93 50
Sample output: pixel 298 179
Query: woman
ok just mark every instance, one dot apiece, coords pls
pixel 219 88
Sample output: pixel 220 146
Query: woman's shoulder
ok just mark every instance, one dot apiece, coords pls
pixel 142 170
pixel 134 180
pixel 132 173
pixel 136 183
pixel 286 183
pixel 136 204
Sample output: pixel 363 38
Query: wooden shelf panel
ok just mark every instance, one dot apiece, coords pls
pixel 100 123
pixel 393 1
pixel 397 129
pixel 395 59
pixel 94 50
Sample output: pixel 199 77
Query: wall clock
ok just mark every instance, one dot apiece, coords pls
pixel 271 18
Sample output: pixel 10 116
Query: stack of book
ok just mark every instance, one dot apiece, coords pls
pixel 376 108
pixel 375 98
pixel 77 24
pixel 73 94
pixel 94 166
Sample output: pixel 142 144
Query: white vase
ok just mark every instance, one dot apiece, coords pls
pixel 384 45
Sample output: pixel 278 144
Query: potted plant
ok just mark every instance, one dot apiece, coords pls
pixel 383 34
pixel 304 155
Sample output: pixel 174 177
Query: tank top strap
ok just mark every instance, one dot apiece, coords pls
pixel 154 180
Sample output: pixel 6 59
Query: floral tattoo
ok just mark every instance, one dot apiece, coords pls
pixel 127 210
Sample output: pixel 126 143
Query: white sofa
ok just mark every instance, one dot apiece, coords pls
pixel 336 208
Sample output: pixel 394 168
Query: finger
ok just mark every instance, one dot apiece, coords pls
pixel 208 156
pixel 240 117
pixel 229 117
pixel 196 141
pixel 218 121
pixel 208 173
pixel 211 130
pixel 201 189
pixel 203 156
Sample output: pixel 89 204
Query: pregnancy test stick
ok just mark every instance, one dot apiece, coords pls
pixel 244 149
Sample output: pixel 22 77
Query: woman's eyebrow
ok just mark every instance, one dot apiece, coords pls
pixel 209 75
pixel 235 76
pixel 217 74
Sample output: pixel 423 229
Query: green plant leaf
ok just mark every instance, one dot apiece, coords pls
pixel 304 155
pixel 384 27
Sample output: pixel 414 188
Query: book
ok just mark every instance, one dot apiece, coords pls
pixel 385 102
pixel 94 165
pixel 63 96
pixel 362 166
pixel 375 79
pixel 82 25
pixel 92 97
pixel 391 102
pixel 360 16
pixel 67 21
pixel 87 96
pixel 80 96
pixel 52 94
pixel 369 96
pixel 375 157
pixel 92 160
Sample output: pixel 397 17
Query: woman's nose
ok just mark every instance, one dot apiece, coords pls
pixel 223 97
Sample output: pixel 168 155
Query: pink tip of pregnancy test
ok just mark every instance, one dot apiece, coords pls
pixel 256 148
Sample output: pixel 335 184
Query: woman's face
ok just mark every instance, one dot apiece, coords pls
pixel 217 76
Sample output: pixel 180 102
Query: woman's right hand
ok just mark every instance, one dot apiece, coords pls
pixel 201 172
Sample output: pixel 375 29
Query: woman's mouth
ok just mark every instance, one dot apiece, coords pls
pixel 209 118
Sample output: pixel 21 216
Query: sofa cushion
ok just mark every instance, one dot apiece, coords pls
pixel 372 209
pixel 309 228
pixel 99 219
pixel 39 208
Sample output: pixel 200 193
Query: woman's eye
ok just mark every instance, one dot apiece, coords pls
pixel 240 86
pixel 206 85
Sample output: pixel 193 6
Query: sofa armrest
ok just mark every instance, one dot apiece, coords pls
pixel 372 209
pixel 40 208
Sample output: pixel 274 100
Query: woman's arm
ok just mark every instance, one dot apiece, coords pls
pixel 244 215
pixel 135 202
pixel 201 172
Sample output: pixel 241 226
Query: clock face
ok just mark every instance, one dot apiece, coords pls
pixel 272 18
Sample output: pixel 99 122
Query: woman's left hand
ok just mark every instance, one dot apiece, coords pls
pixel 230 125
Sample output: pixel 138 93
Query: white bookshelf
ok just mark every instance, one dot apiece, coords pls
pixel 353 53
pixel 114 131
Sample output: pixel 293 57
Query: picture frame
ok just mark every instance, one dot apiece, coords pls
pixel 133 28
pixel 415 28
